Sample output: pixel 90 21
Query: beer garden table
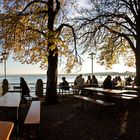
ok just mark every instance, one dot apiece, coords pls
pixel 113 92
pixel 5 130
pixel 12 100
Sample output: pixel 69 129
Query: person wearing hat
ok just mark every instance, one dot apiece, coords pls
pixel 64 85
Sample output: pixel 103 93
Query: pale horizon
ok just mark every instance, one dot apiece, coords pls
pixel 14 68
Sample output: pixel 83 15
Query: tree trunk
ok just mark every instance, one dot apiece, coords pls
pixel 137 55
pixel 51 89
pixel 138 63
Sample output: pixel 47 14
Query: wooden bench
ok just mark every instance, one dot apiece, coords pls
pixel 96 101
pixel 126 96
pixel 33 116
pixel 5 130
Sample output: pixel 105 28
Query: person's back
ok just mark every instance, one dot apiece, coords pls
pixel 94 81
pixel 80 81
pixel 129 80
pixel 114 81
pixel 64 84
pixel 108 83
pixel 75 81
pixel 89 81
pixel 24 88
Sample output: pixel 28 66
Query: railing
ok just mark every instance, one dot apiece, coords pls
pixel 32 87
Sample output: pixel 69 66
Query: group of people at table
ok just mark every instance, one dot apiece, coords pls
pixel 108 83
pixel 79 82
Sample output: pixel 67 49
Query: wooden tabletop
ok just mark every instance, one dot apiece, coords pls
pixel 10 100
pixel 5 129
pixel 132 87
pixel 111 91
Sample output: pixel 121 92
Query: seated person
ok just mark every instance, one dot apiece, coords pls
pixel 89 81
pixel 128 81
pixel 108 83
pixel 64 85
pixel 79 81
pixel 24 89
pixel 114 81
pixel 117 82
pixel 94 81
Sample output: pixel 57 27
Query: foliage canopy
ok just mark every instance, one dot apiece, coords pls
pixel 109 27
pixel 24 31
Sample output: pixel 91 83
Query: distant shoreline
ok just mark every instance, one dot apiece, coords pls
pixel 96 73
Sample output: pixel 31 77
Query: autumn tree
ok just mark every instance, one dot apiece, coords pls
pixel 34 31
pixel 112 28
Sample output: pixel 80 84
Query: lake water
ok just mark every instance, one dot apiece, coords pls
pixel 32 78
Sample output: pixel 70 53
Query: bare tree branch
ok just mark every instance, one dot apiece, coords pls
pixel 123 35
pixel 59 29
pixel 31 3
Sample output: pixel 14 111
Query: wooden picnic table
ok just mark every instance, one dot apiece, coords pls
pixel 122 94
pixel 137 88
pixel 109 91
pixel 127 95
pixel 11 100
pixel 5 130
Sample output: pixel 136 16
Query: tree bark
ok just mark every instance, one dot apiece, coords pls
pixel 137 55
pixel 51 87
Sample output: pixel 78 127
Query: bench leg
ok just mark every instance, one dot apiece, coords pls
pixel 38 132
pixel 79 102
pixel 36 128
pixel 82 104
